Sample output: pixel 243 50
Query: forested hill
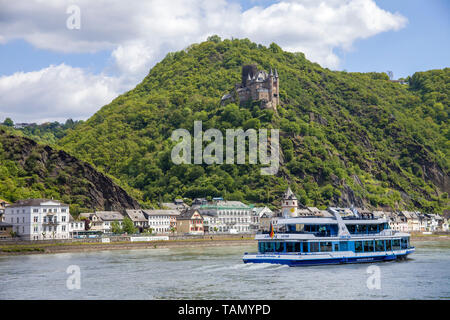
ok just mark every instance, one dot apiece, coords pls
pixel 31 170
pixel 346 138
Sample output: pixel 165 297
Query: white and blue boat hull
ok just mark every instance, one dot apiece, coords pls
pixel 309 259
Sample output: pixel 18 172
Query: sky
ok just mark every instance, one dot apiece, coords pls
pixel 63 59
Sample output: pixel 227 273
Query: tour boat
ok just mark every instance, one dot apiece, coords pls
pixel 312 240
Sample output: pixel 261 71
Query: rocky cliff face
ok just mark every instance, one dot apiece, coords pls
pixel 74 180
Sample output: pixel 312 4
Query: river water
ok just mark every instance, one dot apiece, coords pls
pixel 218 273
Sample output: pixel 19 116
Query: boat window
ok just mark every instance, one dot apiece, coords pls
pixel 396 244
pixel 388 245
pixel 313 247
pixel 368 246
pixel 290 246
pixel 279 246
pixel 344 246
pixel 360 229
pixel 326 246
pixel 379 245
pixel 404 243
pixel 372 228
pixel 358 246
pixel 261 247
pixel 305 247
pixel 336 247
pixel 351 228
pixel 269 246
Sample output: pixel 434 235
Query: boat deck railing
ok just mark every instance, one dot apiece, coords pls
pixel 385 232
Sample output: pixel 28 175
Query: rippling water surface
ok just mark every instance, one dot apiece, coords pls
pixel 218 273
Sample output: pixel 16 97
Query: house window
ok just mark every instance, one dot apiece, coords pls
pixel 35 210
pixel 63 228
pixel 35 219
pixel 63 218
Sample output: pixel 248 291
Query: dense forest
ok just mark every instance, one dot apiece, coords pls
pixel 346 138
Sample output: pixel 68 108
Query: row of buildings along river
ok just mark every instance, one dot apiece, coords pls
pixel 42 219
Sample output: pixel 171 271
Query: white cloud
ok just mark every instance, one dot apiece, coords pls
pixel 139 33
pixel 54 93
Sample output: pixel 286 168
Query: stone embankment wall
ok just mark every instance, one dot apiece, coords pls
pixel 127 238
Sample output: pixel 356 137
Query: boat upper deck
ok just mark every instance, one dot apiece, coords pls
pixel 330 220
pixel 314 227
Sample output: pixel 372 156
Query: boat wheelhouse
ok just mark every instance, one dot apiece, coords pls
pixel 330 240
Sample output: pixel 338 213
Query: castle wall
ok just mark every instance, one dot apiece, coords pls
pixel 266 91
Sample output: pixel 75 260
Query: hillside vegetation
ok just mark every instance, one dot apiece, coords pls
pixel 346 138
pixel 32 170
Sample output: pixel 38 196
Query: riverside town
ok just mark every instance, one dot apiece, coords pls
pixel 50 219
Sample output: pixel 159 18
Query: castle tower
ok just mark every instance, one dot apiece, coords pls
pixel 277 89
pixel 289 204
pixel 271 87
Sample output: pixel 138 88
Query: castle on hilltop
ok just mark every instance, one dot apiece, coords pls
pixel 257 85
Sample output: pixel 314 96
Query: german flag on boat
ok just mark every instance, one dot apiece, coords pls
pixel 272 233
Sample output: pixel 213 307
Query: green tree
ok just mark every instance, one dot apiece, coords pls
pixel 128 226
pixel 116 228
pixel 8 122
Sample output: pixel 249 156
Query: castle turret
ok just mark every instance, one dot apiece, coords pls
pixel 271 86
pixel 276 92
pixel 289 204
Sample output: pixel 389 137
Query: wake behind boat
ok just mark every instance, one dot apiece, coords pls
pixel 336 239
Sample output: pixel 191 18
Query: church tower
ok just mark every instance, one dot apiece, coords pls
pixel 289 204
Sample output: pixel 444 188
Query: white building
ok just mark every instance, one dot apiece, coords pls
pixel 162 221
pixel 445 224
pixel 108 217
pixel 139 218
pixel 412 219
pixel 102 220
pixel 226 217
pixel 398 223
pixel 75 226
pixel 92 221
pixel 3 205
pixel 39 219
pixel 257 213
